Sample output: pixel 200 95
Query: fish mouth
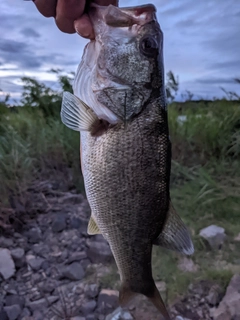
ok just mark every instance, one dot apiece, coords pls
pixel 124 16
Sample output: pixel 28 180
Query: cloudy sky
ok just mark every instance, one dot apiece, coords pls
pixel 201 44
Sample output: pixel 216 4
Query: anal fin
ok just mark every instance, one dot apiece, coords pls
pixel 175 235
pixel 93 227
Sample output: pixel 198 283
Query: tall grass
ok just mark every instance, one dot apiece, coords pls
pixel 209 133
pixel 33 147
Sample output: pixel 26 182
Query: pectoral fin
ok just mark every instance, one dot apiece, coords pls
pixel 75 114
pixel 93 227
pixel 175 235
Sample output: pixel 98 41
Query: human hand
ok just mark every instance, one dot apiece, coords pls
pixel 71 15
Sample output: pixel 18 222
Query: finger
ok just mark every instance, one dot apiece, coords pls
pixel 46 7
pixel 84 28
pixel 106 2
pixel 67 12
pixel 70 9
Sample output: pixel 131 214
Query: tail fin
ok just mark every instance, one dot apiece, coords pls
pixel 126 295
pixel 159 304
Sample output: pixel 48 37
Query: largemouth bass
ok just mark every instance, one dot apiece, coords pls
pixel 119 107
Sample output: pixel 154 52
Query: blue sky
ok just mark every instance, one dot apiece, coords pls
pixel 201 44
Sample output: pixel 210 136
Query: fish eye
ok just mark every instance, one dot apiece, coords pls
pixel 149 46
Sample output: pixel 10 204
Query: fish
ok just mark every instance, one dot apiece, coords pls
pixel 119 107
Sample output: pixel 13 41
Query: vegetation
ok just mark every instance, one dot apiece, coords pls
pixel 205 177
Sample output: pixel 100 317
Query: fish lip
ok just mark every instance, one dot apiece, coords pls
pixel 141 8
pixel 128 16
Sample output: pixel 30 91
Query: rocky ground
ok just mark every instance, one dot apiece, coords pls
pixel 51 269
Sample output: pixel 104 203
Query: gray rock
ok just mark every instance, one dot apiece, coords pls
pixel 77 318
pixel 92 290
pixel 45 266
pixel 59 222
pixel 187 265
pixel 77 256
pixel 18 256
pixel 15 299
pixel 214 235
pixel 3 315
pixel 85 263
pixel 12 288
pixel 237 238
pixel 125 315
pixel 7 267
pixel 214 295
pixel 74 271
pixel 34 235
pixel 41 249
pixel 13 311
pixel 6 242
pixel 35 262
pixel 119 314
pixel 76 223
pixel 99 252
pixel 48 286
pixel 25 313
pixel 107 300
pixel 37 315
pixel 88 307
pixel 42 304
pixel 91 317
pixel 229 307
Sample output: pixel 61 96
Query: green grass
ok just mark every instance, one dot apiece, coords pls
pixel 204 195
pixel 33 147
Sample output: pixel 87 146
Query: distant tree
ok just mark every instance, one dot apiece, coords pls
pixel 4 104
pixel 65 80
pixel 39 95
pixel 187 95
pixel 172 86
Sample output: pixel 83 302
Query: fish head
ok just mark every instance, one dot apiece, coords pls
pixel 126 58
pixel 129 63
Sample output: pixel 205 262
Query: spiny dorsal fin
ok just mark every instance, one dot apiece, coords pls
pixel 93 227
pixel 175 235
pixel 75 114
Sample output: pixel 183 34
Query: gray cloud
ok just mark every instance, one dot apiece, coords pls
pixel 29 32
pixel 233 65
pixel 218 81
pixel 24 55
pixel 12 46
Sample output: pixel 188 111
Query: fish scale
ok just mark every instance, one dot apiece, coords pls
pixel 137 213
